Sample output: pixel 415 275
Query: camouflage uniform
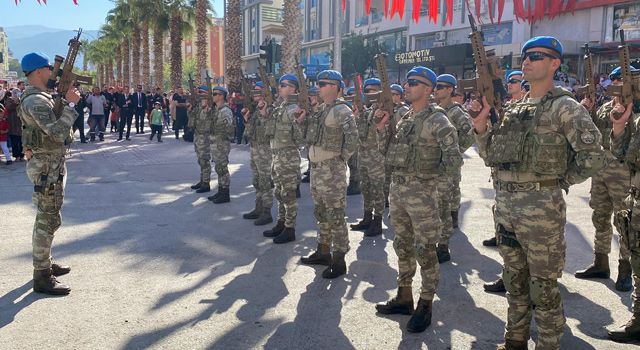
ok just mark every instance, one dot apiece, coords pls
pixel 609 187
pixel 371 164
pixel 46 136
pixel 260 160
pixel 222 134
pixel 399 110
pixel 332 137
pixel 539 147
pixel 429 136
pixel 449 185
pixel 286 138
pixel 201 122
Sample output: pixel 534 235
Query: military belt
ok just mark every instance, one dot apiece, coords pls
pixel 525 186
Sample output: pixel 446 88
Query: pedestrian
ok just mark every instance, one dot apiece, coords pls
pixel 4 135
pixel 15 124
pixel 180 104
pixel 97 104
pixel 156 122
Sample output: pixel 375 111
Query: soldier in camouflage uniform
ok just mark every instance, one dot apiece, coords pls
pixel 625 144
pixel 332 138
pixel 286 137
pixel 449 185
pixel 44 137
pixel 399 109
pixel 260 158
pixel 424 145
pixel 315 103
pixel 222 133
pixel 609 188
pixel 543 144
pixel 201 121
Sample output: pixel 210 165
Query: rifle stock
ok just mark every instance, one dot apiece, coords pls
pixel 192 91
pixel 247 100
pixel 630 88
pixel 357 96
pixel 67 77
pixel 303 89
pixel 267 91
pixel 588 90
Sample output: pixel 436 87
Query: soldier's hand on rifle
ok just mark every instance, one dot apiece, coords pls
pixel 383 118
pixel 28 153
pixel 73 95
pixel 620 115
pixel 300 114
pixel 480 113
pixel 246 115
pixel 587 103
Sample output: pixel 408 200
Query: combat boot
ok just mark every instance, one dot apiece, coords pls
pixel 204 188
pixel 353 188
pixel 287 235
pixel 298 193
pixel 496 286
pixel 421 318
pixel 223 196
pixel 364 223
pixel 401 304
pixel 630 332
pixel 599 268
pixel 375 229
pixel 58 269
pixel 264 218
pixel 196 186
pixel 215 196
pixel 513 345
pixel 45 282
pixel 443 253
pixel 279 227
pixel 624 283
pixel 454 218
pixel 337 266
pixel 491 242
pixel 321 256
pixel 255 213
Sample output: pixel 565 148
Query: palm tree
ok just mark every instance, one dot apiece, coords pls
pixel 180 18
pixel 119 18
pixel 233 45
pixel 160 25
pixel 202 10
pixel 291 39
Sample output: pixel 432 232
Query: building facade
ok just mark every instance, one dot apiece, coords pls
pixel 215 47
pixel 261 21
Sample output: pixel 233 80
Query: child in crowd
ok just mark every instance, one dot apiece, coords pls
pixel 156 121
pixel 4 135
pixel 115 115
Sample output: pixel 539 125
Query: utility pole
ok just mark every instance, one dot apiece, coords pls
pixel 337 35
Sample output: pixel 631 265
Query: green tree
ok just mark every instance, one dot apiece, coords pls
pixel 357 55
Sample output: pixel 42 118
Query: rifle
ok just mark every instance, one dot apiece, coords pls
pixel 357 97
pixel 247 101
pixel 488 80
pixel 385 101
pixel 589 90
pixel 303 94
pixel 67 77
pixel 192 91
pixel 266 91
pixel 630 88
pixel 208 79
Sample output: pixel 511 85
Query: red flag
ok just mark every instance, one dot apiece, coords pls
pixel 394 7
pixel 416 10
pixel 571 6
pixel 449 12
pixel 386 8
pixel 529 14
pixel 401 8
pixel 477 4
pixel 555 8
pixel 501 10
pixel 433 10
pixel 75 2
pixel 518 10
pixel 344 4
pixel 17 1
pixel 367 7
pixel 539 12
pixel 490 10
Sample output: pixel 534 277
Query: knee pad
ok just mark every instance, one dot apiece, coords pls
pixel 544 292
pixel 515 281
pixel 426 254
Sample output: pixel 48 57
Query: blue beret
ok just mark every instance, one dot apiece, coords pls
pixel 523 83
pixel 423 72
pixel 342 86
pixel 290 77
pixel 447 78
pixel 398 88
pixel 372 81
pixel 221 89
pixel 515 72
pixel 351 90
pixel 203 87
pixel 313 91
pixel 329 75
pixel 259 84
pixel 548 42
pixel 618 71
pixel 33 61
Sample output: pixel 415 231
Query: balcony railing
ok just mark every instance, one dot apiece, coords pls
pixel 272 15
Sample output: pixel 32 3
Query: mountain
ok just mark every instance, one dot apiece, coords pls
pixel 51 41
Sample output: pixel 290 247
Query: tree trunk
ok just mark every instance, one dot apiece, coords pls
pixel 158 58
pixel 99 77
pixel 146 64
pixel 135 56
pixel 291 39
pixel 109 77
pixel 118 57
pixel 126 65
pixel 233 46
pixel 176 49
pixel 201 36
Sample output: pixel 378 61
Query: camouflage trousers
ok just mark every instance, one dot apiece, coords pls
pixel 371 168
pixel 261 168
pixel 202 144
pixel 285 172
pixel 387 180
pixel 609 188
pixel 445 194
pixel 416 220
pixel 628 224
pixel 220 152
pixel 532 245
pixel 353 168
pixel 456 196
pixel 47 173
pixel 329 193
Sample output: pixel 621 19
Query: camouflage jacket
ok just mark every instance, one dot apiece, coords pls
pixel 460 118
pixel 224 128
pixel 282 130
pixel 255 128
pixel 331 132
pixel 627 146
pixel 201 121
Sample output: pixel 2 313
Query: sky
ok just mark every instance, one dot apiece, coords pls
pixel 63 14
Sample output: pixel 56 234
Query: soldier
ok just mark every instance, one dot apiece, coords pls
pixel 425 132
pixel 544 143
pixel 332 137
pixel 609 188
pixel 449 186
pixel 222 134
pixel 260 157
pixel 400 108
pixel 315 103
pixel 44 137
pixel 201 121
pixel 625 144
pixel 286 138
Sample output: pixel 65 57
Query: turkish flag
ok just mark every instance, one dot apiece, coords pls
pixel 416 10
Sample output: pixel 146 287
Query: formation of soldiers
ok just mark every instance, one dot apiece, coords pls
pixel 408 155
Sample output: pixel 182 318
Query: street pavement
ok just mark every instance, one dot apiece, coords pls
pixel 155 265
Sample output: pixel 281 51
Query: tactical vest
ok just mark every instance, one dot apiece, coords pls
pixel 35 138
pixel 410 153
pixel 257 129
pixel 204 122
pixel 632 157
pixel 221 131
pixel 279 129
pixel 321 135
pixel 364 125
pixel 516 145
pixel 604 124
